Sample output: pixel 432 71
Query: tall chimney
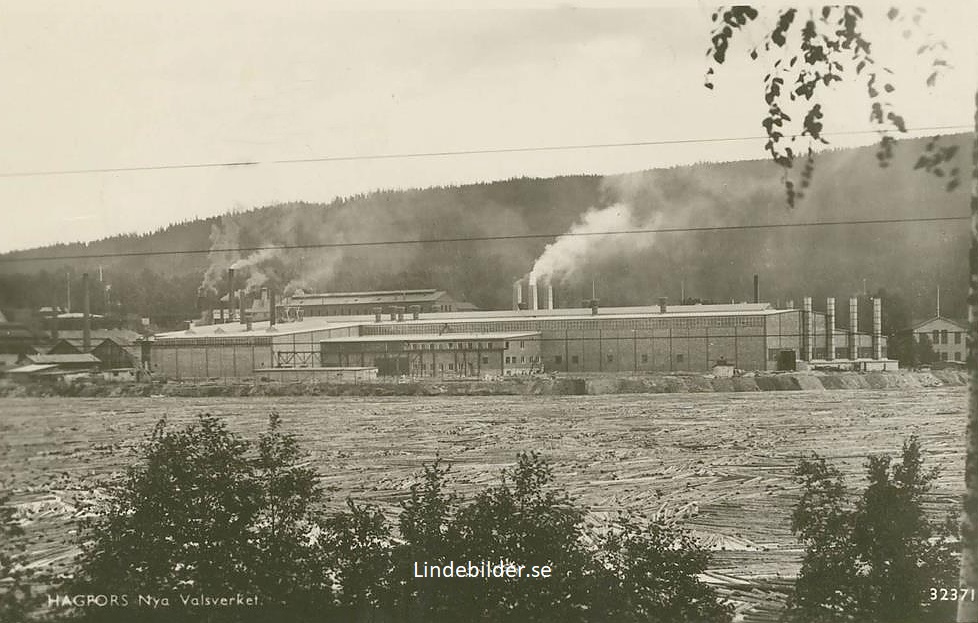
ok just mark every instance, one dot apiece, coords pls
pixel 662 304
pixel 853 327
pixel 517 294
pixel 241 306
pixel 230 317
pixel 808 318
pixel 757 290
pixel 877 328
pixel 271 308
pixel 534 303
pixel 87 316
pixel 830 328
pixel 550 296
pixel 594 307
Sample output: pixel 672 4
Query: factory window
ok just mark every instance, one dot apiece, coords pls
pixel 679 358
pixel 575 359
pixel 943 356
pixel 485 360
pixel 944 336
pixel 611 358
pixel 936 336
pixel 645 358
pixel 558 359
pixel 451 366
pixel 522 344
pixel 523 359
pixel 957 356
pixel 957 337
pixel 441 367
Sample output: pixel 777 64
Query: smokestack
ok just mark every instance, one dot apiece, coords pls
pixel 518 295
pixel 241 306
pixel 853 326
pixel 830 328
pixel 550 296
pixel 594 307
pixel 271 308
pixel 807 338
pixel 230 295
pixel 87 316
pixel 757 290
pixel 534 303
pixel 377 314
pixel 662 304
pixel 877 328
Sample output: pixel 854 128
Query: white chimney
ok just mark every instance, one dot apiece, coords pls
pixel 550 296
pixel 534 303
pixel 808 318
pixel 830 328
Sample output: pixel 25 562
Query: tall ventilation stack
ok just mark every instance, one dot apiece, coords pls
pixel 271 308
pixel 808 318
pixel 877 328
pixel 853 327
pixel 87 316
pixel 230 316
pixel 550 296
pixel 517 294
pixel 757 290
pixel 534 303
pixel 830 328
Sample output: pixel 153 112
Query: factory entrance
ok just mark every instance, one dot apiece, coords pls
pixel 392 366
pixel 786 361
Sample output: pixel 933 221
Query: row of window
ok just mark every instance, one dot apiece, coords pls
pixel 456 345
pixel 522 359
pixel 559 359
pixel 940 336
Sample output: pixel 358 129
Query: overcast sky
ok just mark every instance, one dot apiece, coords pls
pixel 90 85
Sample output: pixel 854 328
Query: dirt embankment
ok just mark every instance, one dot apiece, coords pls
pixel 603 384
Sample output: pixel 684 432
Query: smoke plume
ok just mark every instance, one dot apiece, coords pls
pixel 591 240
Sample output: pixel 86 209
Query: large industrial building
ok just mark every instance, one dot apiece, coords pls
pixel 529 338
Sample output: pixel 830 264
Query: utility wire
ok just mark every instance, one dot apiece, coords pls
pixel 438 154
pixel 377 243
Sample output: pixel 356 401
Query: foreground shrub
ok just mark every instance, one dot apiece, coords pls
pixel 874 560
pixel 206 513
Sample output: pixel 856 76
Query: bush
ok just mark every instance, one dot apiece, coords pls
pixel 876 559
pixel 208 513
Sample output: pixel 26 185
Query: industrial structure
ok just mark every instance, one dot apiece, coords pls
pixel 534 336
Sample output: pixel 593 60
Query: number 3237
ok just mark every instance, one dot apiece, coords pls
pixel 952 594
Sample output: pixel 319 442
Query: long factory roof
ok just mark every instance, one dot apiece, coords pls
pixel 320 323
pixel 431 337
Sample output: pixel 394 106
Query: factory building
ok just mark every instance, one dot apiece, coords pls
pixel 532 337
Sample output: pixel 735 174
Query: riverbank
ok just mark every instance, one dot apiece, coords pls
pixel 516 386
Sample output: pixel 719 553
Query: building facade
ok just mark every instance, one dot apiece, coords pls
pixel 662 338
pixel 948 337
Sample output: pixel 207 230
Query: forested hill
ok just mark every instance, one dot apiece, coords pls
pixel 909 261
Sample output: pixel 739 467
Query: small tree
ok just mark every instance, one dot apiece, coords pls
pixel 206 512
pixel 874 560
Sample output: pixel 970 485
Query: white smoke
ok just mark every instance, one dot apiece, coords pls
pixel 592 239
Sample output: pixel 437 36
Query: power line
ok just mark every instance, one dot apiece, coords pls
pixel 438 154
pixel 377 243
